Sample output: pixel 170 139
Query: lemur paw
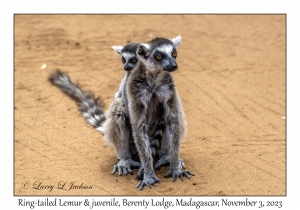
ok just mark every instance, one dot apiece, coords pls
pixel 124 166
pixel 147 181
pixel 165 161
pixel 178 173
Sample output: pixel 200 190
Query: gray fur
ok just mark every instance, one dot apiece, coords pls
pixel 128 54
pixel 152 101
pixel 117 126
pixel 114 124
pixel 146 106
pixel 90 107
pixel 112 129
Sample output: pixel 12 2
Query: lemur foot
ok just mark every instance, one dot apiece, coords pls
pixel 178 173
pixel 124 166
pixel 165 161
pixel 147 181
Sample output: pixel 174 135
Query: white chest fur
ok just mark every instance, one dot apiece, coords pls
pixel 157 86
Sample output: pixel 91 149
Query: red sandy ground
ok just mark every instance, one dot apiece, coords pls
pixel 231 80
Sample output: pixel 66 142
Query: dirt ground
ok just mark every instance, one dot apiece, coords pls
pixel 231 80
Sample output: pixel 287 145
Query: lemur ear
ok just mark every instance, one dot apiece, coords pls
pixel 176 41
pixel 142 50
pixel 118 49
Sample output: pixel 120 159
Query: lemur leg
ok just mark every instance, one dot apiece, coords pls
pixel 159 140
pixel 154 144
pixel 164 156
pixel 157 132
pixel 164 159
pixel 117 133
pixel 175 130
pixel 139 128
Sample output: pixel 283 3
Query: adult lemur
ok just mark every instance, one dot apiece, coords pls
pixel 130 60
pixel 153 102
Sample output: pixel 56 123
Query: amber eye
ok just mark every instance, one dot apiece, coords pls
pixel 133 60
pixel 158 57
pixel 174 54
pixel 123 60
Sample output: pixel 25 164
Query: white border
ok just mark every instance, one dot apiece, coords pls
pixel 8 8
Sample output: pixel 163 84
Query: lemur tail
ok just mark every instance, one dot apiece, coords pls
pixel 156 139
pixel 90 107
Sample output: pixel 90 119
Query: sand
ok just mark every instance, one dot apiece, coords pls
pixel 231 80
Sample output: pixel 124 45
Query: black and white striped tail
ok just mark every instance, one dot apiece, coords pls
pixel 156 139
pixel 90 107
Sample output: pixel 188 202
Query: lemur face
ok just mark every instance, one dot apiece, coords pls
pixel 128 55
pixel 160 53
pixel 129 60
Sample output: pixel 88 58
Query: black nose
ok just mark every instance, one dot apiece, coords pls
pixel 174 66
pixel 171 68
pixel 127 68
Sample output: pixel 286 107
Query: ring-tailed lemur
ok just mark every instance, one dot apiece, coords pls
pixel 130 59
pixel 92 110
pixel 153 101
pixel 117 128
pixel 114 124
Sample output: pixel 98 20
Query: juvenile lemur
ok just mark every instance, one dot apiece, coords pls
pixel 114 124
pixel 117 127
pixel 154 104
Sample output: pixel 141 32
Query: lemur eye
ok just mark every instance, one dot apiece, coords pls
pixel 133 60
pixel 158 57
pixel 174 54
pixel 123 60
